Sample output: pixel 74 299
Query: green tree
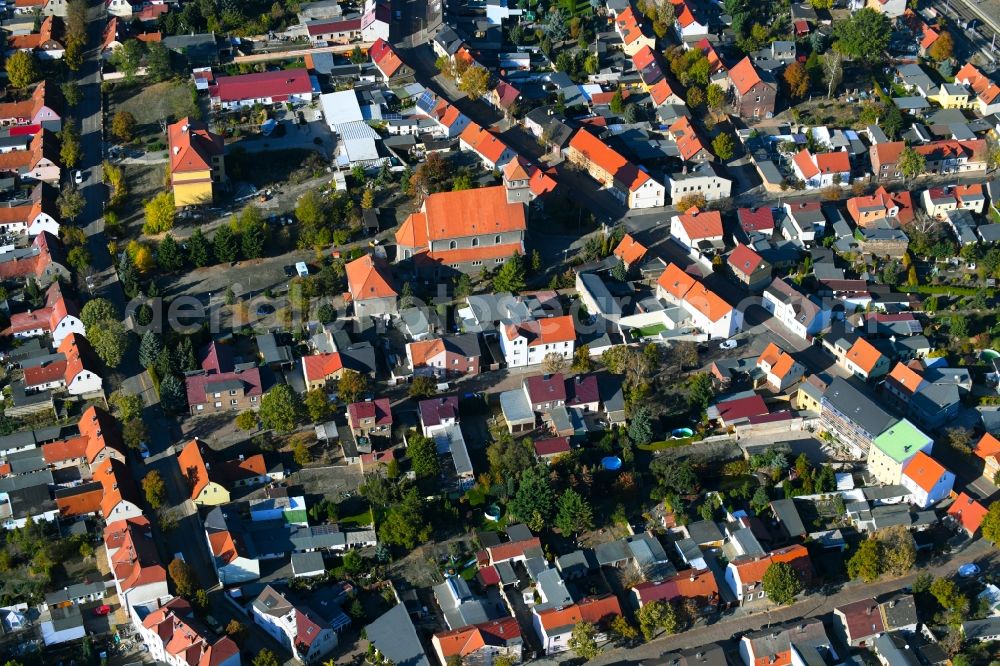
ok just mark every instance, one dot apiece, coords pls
pixel 172 395
pixel 722 146
pixel 423 455
pixel 300 453
pixel 78 258
pixel 911 163
pixel 123 125
pixel 535 499
pixel 265 658
pixel 280 408
pixel 254 237
pixel 640 428
pixel 700 391
pixel 623 628
pixel 154 488
pixel 715 96
pixel 509 457
pixel 134 433
pixel 199 249
pixel 583 641
pixel 422 386
pixel 897 550
pixel 169 254
pixel 573 513
pixel 510 277
pixel 160 212
pixel 760 500
pixel 128 406
pixel 22 70
pixel 866 561
pixel 247 420
pixel 70 150
pixel 991 524
pixel 781 583
pixel 474 82
pixel 943 47
pixel 655 616
pixel 463 286
pixel 149 349
pixel 127 58
pixel 617 102
pixel 948 594
pixel 70 202
pixel 182 575
pixel 71 93
pixel 405 523
pixel 863 36
pixel 351 386
pixel 226 244
pixel 317 405
pixel 110 341
pixel 158 64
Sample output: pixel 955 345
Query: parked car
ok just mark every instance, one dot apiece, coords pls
pixel 78 177
pixel 265 309
pixel 968 570
pixel 728 344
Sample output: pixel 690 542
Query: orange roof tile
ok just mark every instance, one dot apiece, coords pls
pixel 628 26
pixel 968 512
pixel 684 135
pixel 367 278
pixel 101 431
pixel 630 250
pixel 988 446
pixel 543 331
pixel 471 213
pixel 744 259
pixel 744 75
pixel 907 378
pixel 675 281
pixel 321 366
pixel 707 302
pixel 422 351
pixel 864 355
pixel 597 152
pixel 192 146
pixel 193 468
pixel 700 224
pixel 924 470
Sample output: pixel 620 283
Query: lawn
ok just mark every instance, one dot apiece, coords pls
pixel 151 104
pixel 666 444
pixel 652 330
pixel 363 519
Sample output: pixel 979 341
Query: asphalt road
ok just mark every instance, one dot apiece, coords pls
pixel 813 605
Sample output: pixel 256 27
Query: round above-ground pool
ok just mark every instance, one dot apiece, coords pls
pixel 492 512
pixel 989 354
pixel 611 463
pixel 681 433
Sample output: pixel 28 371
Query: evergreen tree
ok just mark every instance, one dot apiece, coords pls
pixel 226 244
pixel 254 239
pixel 172 394
pixel 510 277
pixel 534 501
pixel 573 514
pixel 199 249
pixel 128 276
pixel 169 255
pixel 149 349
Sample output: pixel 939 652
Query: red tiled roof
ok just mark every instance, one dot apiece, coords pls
pixel 756 219
pixel 968 512
pixel 744 75
pixel 378 409
pixel 745 260
pixel 597 152
pixel 278 85
pixel 552 446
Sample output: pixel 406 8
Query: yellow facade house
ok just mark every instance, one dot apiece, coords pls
pixel 197 163
pixel 204 491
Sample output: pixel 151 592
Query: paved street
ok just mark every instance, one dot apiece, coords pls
pixel 814 605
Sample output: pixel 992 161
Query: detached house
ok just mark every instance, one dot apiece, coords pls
pixel 745 573
pixel 204 491
pixel 389 64
pixel 455 355
pixel 822 169
pixel 223 385
pixel 479 644
pixel 275 87
pixel 369 287
pixel 881 205
pixel 753 92
pixel 780 368
pixel 630 251
pixel 967 513
pixel 197 163
pixel 697 229
pixel 708 311
pixel 749 268
pixel 529 342
pixel 37 163
pixel 987 92
pixel 629 29
pixel 988 450
pixel 59 318
pixel 864 360
pixel 370 418
pixel 628 183
pixel 462 231
pixel 174 636
pixel 300 630
pixel 555 625
pixel 80 373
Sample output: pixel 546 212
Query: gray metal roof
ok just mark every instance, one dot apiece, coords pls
pixel 705 531
pixel 515 407
pixel 895 650
pixel 307 563
pixel 857 406
pixel 395 637
pixel 788 515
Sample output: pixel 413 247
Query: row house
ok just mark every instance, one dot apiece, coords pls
pixel 938 201
pixel 451 356
pixel 691 149
pixel 709 312
pixel 689 24
pixel 202 489
pixel 860 622
pixel 697 585
pixel 389 64
pixel 701 179
pixel 43 7
pixel 133 558
pixel 43 110
pixel 529 342
pixel 893 449
pixel 46 44
pixel 58 319
pixel 369 287
pixel 372 418
pixel 121 496
pixel 653 80
pixel 104 440
pixel 755 222
pixel 745 574
pixel 480 643
pixel 753 92
pixel 853 418
pixel 628 183
pixel 863 360
pixel 450 122
pixel 174 636
pixel 942 157
pixel 629 28
pixel 928 396
pixel 800 642
pixel 38 163
pixel 39 214
pixel 73 368
pixel 462 231
pixel 986 91
pixel 555 625
pixel 749 268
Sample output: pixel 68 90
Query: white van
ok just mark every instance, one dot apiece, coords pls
pixel 301 269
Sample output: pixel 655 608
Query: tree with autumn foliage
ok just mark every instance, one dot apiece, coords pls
pixel 797 79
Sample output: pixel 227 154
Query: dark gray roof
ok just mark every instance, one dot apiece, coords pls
pixel 267 345
pixel 876 493
pixel 706 655
pixel 39 479
pixel 776 639
pixel 75 591
pixel 395 637
pixel 705 531
pixel 63 617
pixel 862 409
pixel 900 610
pixel 977 630
pixel 306 563
pixel 612 552
pixel 788 515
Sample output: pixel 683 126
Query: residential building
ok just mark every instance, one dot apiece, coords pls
pixel 173 636
pixel 61 624
pixel 121 496
pixel 745 574
pixel 479 644
pixel 204 491
pixel 44 260
pixel 881 205
pixel 892 449
pixel 197 162
pixel 795 310
pixel 369 287
pixel 103 436
pixel 988 449
pixel 749 268
pixel 79 373
pixel 927 479
pixel 701 179
pixel 43 109
pixel 864 360
pixel 547 450
pixel 689 24
pixel 799 642
pixel 272 87
pixel 370 418
pixel 780 368
pixel 627 25
pixel 753 92
pixel 822 169
pixel 691 149
pixel 47 43
pixel 529 342
pixel 628 183
pixel 490 148
pixel 40 213
pixel 462 231
pixel 630 251
pixel 59 318
pixel 987 92
pixel 859 622
pixel 708 311
pixel 223 385
pixel 697 586
pixel 134 561
pixel 395 638
pixel 38 163
pixel 451 356
pixel 555 625
pixel 930 401
pixel 852 417
pixel 698 230
pixel 967 513
pixel 299 629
